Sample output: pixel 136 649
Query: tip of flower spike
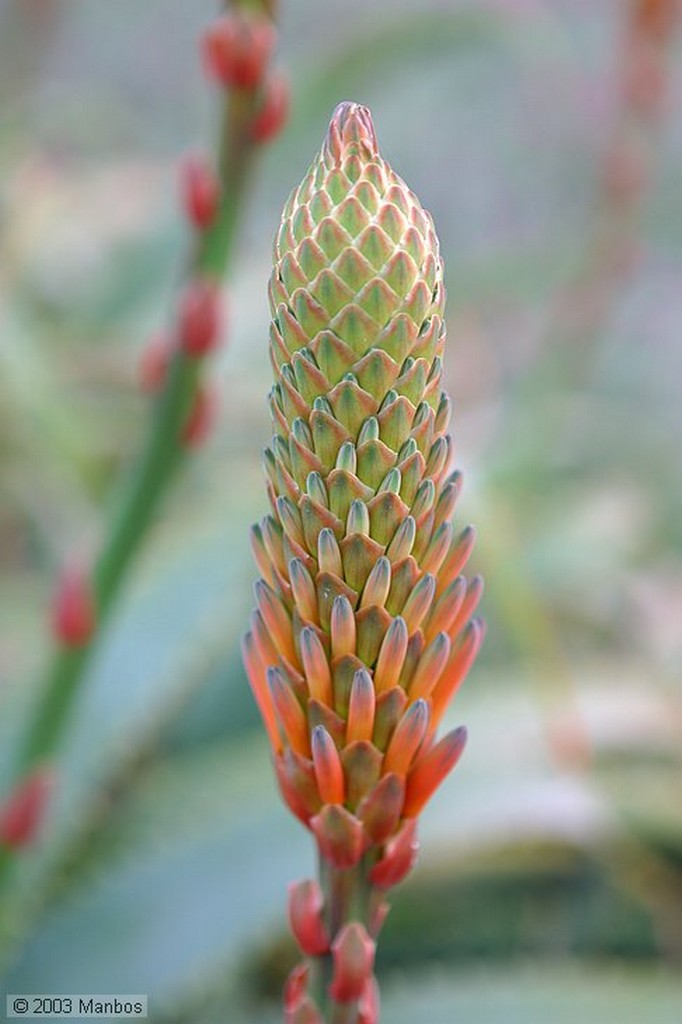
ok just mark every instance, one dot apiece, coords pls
pixel 351 127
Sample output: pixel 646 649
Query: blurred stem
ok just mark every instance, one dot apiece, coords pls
pixel 162 453
pixel 347 897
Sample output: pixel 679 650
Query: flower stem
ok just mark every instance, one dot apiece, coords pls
pixel 347 897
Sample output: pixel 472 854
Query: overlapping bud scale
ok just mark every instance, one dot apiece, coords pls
pixel 363 629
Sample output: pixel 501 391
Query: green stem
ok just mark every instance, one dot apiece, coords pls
pixel 161 456
pixel 347 897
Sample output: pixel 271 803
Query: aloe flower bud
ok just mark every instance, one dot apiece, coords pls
pixel 363 630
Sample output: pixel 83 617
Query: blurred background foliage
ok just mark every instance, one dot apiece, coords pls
pixel 550 882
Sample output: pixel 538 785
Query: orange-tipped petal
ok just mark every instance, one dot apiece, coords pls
pixel 328 767
pixel 418 603
pixel 303 589
pixel 446 609
pixel 353 952
pixel 430 667
pixel 256 673
pixel 455 672
pixel 378 584
pixel 391 656
pixel 469 605
pixel 455 561
pixel 289 711
pixel 429 771
pixel 343 627
pixel 361 708
pixel 329 553
pixel 407 738
pixel 316 666
pixel 276 619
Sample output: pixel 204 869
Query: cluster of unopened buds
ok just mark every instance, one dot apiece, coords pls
pixel 363 630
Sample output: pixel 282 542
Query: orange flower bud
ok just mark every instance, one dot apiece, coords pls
pixel 456 669
pixel 316 666
pixel 361 708
pixel 23 813
pixel 200 191
pixel 237 49
pixel 289 711
pixel 199 317
pixel 353 952
pixel 407 738
pixel 255 671
pixel 273 112
pixel 429 770
pixel 306 907
pixel 328 768
pixel 73 611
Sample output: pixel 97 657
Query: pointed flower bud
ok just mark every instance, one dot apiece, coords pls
pixel 407 738
pixel 328 768
pixel 429 770
pixel 237 48
pixel 339 835
pixel 353 952
pixel 74 611
pixel 306 917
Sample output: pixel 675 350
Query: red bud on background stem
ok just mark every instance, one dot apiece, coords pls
pixel 237 49
pixel 23 813
pixel 154 361
pixel 273 111
pixel 200 418
pixel 200 191
pixel 199 317
pixel 73 612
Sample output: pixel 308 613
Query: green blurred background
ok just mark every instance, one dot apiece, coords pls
pixel 550 881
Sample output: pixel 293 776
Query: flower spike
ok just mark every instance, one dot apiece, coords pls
pixel 364 628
